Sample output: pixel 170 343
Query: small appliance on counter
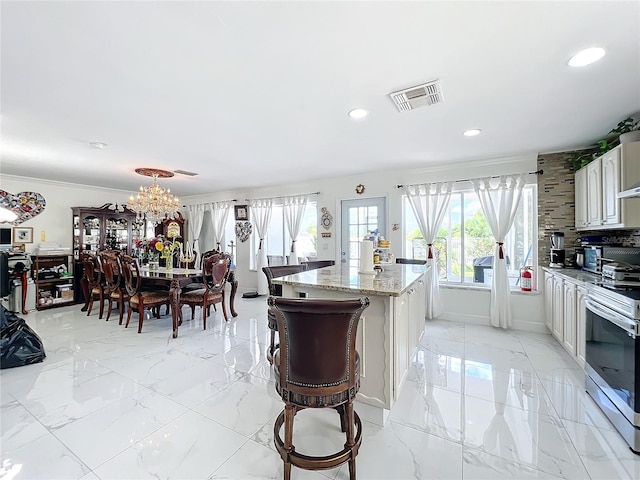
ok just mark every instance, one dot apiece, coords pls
pixel 51 248
pixel 557 250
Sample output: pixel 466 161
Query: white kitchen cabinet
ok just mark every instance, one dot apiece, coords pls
pixel 402 350
pixel 557 325
pixel 594 194
pixel 417 313
pixel 581 321
pixel 569 318
pixel 597 185
pixel 548 300
pixel 581 198
pixel 610 170
pixel 565 311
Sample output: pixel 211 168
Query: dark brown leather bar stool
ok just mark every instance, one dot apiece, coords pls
pixel 314 264
pixel 317 366
pixel 411 261
pixel 276 290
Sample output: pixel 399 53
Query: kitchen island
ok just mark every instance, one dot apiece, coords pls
pixel 389 330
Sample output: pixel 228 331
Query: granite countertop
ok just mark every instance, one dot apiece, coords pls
pixel 574 274
pixel 393 280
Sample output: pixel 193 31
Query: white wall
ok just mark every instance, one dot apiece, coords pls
pixel 56 221
pixel 460 304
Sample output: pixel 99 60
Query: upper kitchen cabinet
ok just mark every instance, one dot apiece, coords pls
pixel 598 185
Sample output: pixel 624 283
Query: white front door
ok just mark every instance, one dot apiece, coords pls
pixel 359 217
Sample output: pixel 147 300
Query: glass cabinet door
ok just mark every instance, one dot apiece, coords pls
pixel 76 237
pixel 90 233
pixel 117 234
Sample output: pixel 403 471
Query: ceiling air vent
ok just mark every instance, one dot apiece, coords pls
pixel 418 96
pixel 184 172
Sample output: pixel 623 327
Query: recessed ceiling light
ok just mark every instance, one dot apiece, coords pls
pixel 98 145
pixel 358 113
pixel 586 57
pixel 472 133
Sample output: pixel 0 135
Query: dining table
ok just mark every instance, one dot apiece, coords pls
pixel 177 279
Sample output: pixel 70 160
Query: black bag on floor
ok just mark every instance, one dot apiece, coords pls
pixel 19 345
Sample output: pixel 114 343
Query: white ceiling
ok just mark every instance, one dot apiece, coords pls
pixel 257 93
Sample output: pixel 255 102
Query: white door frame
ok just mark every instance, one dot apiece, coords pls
pixel 344 205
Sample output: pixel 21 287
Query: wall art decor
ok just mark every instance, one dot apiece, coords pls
pixel 360 189
pixel 243 230
pixel 326 220
pixel 22 235
pixel 24 204
pixel 242 212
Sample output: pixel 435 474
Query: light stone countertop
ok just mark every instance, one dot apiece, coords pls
pixel 575 274
pixel 393 280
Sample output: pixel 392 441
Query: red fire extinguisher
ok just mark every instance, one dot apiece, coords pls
pixel 526 274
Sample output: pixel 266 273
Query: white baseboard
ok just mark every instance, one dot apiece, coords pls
pixel 522 325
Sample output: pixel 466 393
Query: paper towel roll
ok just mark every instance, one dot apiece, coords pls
pixel 366 256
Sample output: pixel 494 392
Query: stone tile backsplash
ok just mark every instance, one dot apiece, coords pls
pixel 556 208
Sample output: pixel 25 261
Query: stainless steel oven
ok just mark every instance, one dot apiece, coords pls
pixel 613 358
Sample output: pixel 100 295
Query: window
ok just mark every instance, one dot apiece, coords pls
pixel 278 240
pixel 465 246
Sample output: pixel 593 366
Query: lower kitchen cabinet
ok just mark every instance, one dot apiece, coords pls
pixel 565 312
pixel 569 317
pixel 581 321
pixel 557 316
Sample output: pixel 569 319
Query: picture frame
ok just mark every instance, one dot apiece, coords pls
pixel 22 235
pixel 241 212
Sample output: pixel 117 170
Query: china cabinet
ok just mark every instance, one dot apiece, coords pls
pixel 97 228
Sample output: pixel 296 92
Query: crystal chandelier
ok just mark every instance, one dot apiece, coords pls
pixel 153 203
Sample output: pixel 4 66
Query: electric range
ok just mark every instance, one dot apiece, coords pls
pixel 612 351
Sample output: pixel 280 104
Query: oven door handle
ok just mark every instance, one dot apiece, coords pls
pixel 621 321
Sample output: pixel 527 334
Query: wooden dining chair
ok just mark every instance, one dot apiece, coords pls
pixel 317 366
pixel 215 269
pixel 139 299
pixel 200 285
pixel 116 291
pixel 95 287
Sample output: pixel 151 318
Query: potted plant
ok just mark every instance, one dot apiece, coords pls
pixel 628 130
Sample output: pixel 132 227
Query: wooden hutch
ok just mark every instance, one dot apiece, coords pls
pixel 96 228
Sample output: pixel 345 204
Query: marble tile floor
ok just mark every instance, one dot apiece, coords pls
pixel 108 403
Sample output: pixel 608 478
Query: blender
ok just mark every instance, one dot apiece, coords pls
pixel 557 250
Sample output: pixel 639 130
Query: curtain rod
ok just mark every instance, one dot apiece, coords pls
pixel 206 203
pixel 537 172
pixel 274 198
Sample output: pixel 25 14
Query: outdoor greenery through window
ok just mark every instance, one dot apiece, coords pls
pixel 465 246
pixel 278 241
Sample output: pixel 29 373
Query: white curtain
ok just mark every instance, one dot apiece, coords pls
pixel 195 215
pixel 219 212
pixel 499 203
pixel 261 214
pixel 294 208
pixel 429 202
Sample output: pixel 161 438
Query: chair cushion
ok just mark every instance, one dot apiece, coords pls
pixel 196 296
pixel 117 294
pixel 151 297
pixel 193 286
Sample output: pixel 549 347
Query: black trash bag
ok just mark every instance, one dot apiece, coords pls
pixel 19 344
